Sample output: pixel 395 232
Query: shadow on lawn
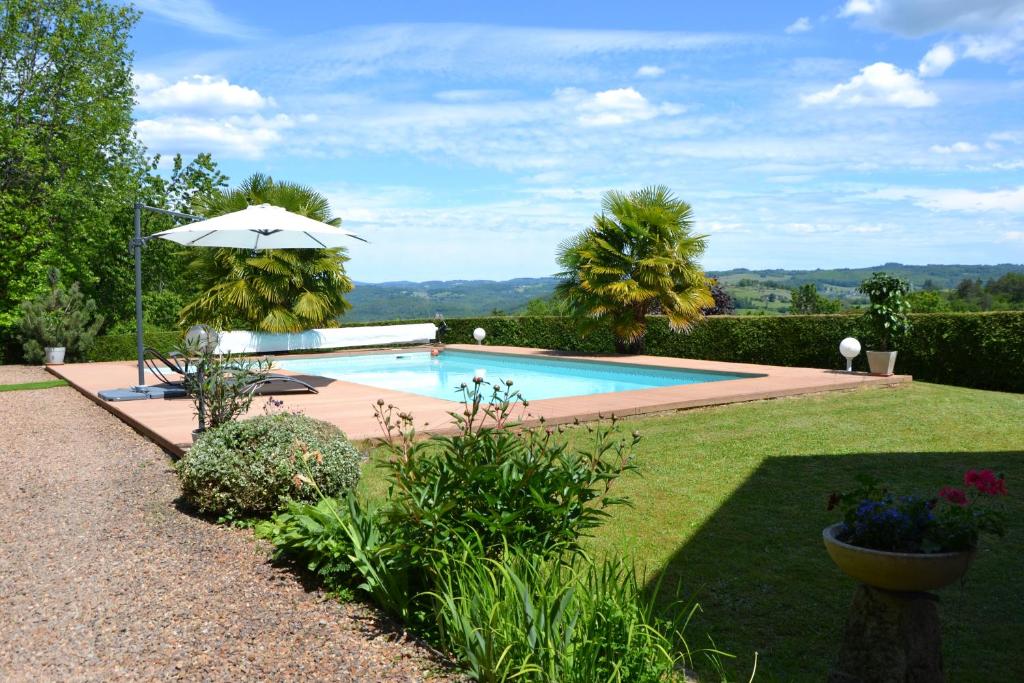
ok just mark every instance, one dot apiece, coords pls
pixel 760 572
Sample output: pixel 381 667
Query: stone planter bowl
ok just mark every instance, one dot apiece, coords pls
pixel 896 571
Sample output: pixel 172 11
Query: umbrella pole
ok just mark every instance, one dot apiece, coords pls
pixel 137 244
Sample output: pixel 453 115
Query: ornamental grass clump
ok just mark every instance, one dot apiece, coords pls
pixel 251 468
pixel 952 520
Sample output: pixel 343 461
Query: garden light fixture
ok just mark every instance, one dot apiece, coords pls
pixel 479 335
pixel 849 348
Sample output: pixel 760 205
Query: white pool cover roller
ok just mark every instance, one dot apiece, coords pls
pixel 240 341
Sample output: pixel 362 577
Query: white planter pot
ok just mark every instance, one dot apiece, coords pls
pixel 54 355
pixel 881 362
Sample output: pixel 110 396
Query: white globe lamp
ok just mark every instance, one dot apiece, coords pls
pixel 202 338
pixel 479 335
pixel 849 348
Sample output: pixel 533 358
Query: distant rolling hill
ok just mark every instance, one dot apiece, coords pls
pixel 453 298
pixel 461 298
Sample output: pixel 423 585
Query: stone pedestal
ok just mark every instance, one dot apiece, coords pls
pixel 890 637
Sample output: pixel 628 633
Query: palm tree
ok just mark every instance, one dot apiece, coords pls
pixel 271 290
pixel 638 258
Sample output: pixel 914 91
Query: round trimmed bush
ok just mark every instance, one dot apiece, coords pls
pixel 248 468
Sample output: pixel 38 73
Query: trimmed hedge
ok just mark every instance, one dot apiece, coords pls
pixel 982 350
pixel 122 346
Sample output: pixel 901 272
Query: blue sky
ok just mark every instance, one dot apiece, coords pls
pixel 466 140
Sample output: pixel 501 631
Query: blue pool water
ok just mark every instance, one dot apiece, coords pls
pixel 536 378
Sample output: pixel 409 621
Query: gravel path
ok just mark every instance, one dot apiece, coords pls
pixel 23 374
pixel 103 578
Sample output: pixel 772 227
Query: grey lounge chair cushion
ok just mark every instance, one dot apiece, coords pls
pixel 162 391
pixel 122 395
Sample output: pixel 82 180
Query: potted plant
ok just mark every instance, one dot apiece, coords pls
pixel 887 314
pixel 58 322
pixel 910 542
pixel 221 386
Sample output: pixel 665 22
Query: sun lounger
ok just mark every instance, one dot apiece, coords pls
pixel 176 364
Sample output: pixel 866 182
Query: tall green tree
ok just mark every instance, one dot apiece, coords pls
pixel 639 257
pixel 805 300
pixel 70 165
pixel 271 290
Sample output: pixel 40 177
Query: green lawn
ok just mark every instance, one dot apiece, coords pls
pixel 731 500
pixel 45 384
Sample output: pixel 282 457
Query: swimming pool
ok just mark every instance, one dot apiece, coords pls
pixel 536 378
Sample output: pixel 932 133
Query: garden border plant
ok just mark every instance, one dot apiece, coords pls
pixel 477 548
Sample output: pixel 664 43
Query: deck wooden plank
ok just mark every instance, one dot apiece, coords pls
pixel 350 406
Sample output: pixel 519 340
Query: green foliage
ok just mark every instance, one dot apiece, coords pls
pixel 166 280
pixel 806 301
pixel 122 346
pixel 272 290
pixel 888 308
pixel 221 385
pixel 542 306
pixel 753 291
pixel 313 536
pixel 29 386
pixel 501 487
pixel 530 618
pixel 477 548
pixel 60 317
pixel 70 166
pixel 928 301
pixel 639 255
pixel 250 468
pixel 983 350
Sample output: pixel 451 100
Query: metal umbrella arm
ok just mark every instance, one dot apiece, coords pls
pixel 137 242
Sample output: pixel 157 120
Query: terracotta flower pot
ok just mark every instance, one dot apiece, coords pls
pixel 896 571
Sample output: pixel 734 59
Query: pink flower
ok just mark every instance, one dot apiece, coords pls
pixel 953 495
pixel 986 482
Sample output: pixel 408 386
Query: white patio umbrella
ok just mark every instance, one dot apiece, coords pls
pixel 255 227
pixel 260 227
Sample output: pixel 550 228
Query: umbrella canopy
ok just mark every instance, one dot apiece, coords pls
pixel 260 227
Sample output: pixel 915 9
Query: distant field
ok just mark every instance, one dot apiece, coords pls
pixel 755 291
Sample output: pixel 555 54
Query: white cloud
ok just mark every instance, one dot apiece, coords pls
pixel 952 199
pixel 615 107
pixel 936 61
pixel 198 15
pixel 1013 236
pixel 919 17
pixel 994 47
pixel 990 30
pixel 955 148
pixel 248 137
pixel 475 51
pixel 854 8
pixel 650 71
pixel 880 83
pixel 801 25
pixel 198 92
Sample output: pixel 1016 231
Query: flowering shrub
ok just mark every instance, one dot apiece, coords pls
pixel 952 520
pixel 250 468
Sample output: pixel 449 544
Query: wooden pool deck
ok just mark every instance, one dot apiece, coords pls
pixel 350 406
